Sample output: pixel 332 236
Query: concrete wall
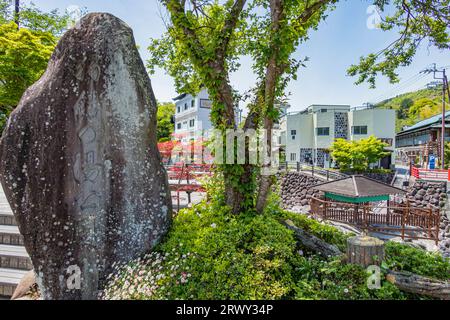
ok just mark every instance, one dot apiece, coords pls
pixel 379 122
pixel 304 125
pixel 197 113
pixel 323 120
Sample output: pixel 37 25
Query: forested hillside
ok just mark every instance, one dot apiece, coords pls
pixel 413 107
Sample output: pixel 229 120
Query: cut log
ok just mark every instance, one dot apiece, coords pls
pixel 313 243
pixel 414 283
pixel 365 251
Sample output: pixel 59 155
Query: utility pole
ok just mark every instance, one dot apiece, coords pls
pixel 17 12
pixel 445 90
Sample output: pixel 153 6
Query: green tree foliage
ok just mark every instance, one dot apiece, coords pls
pixel 424 108
pixel 404 108
pixel 24 52
pixel 202 47
pixel 417 22
pixel 166 110
pixel 23 57
pixel 431 97
pixel 34 19
pixel 340 151
pixel 358 155
pixel 447 155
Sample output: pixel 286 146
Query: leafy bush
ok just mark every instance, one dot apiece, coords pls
pixel 336 280
pixel 211 254
pixel 325 232
pixel 401 257
pixel 357 155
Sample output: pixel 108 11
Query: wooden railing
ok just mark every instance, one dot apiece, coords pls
pixel 394 219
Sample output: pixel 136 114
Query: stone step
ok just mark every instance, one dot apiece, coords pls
pixel 14 257
pixel 10 235
pixel 9 279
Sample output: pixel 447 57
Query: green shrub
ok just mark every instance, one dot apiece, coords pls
pixel 400 257
pixel 325 232
pixel 336 280
pixel 211 254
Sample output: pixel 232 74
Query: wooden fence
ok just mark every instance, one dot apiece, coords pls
pixel 394 219
pixel 431 175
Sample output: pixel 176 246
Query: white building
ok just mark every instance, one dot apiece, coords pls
pixel 192 116
pixel 311 133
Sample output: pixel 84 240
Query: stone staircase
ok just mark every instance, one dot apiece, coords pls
pixel 14 260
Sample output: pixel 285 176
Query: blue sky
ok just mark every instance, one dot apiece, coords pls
pixel 339 42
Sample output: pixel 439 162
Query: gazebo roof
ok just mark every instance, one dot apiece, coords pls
pixel 358 187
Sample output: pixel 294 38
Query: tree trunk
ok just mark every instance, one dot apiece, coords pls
pixel 313 243
pixel 413 283
pixel 239 189
pixel 263 192
pixel 365 251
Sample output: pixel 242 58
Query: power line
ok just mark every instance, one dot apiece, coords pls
pixel 398 88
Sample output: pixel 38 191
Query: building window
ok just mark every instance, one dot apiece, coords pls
pixel 178 126
pixel 323 131
pixel 293 157
pixel 185 106
pixel 359 130
pixel 191 123
pixel 293 132
pixel 178 109
pixel 323 110
pixel 388 141
pixel 192 103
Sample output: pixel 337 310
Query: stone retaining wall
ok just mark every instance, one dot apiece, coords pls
pixel 427 194
pixel 296 190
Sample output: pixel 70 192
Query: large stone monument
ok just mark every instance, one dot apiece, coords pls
pixel 79 161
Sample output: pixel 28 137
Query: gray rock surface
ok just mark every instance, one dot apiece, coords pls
pixel 424 194
pixel 296 190
pixel 79 161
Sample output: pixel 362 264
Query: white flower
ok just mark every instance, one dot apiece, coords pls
pixel 213 225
